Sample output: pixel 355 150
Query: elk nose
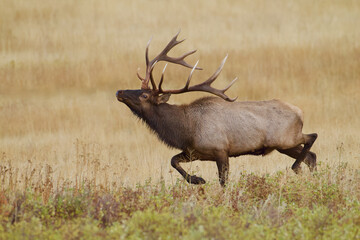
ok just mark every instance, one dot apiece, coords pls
pixel 119 92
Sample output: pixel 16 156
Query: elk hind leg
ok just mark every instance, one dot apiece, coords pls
pixel 183 157
pixel 310 159
pixel 309 140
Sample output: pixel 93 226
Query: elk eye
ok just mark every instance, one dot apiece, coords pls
pixel 145 96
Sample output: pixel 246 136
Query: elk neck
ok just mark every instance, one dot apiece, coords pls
pixel 170 123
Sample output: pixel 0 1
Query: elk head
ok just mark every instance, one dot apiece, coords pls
pixel 146 97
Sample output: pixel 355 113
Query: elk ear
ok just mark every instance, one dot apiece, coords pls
pixel 163 98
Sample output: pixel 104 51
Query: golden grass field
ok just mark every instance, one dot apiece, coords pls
pixel 62 62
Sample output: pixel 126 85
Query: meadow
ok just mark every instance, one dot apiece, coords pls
pixel 75 163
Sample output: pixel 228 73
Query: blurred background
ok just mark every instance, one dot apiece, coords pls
pixel 62 62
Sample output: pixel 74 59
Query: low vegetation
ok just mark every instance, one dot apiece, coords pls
pixel 325 205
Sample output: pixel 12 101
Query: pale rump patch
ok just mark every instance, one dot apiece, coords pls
pixel 297 110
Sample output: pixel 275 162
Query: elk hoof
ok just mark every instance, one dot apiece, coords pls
pixel 196 180
pixel 310 160
pixel 297 169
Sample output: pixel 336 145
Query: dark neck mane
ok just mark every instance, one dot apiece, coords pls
pixel 170 124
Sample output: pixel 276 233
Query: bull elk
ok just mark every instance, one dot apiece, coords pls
pixel 216 128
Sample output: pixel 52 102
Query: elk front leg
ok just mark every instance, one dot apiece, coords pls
pixel 183 157
pixel 222 163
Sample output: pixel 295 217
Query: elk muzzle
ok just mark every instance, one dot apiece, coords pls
pixel 129 95
pixel 119 94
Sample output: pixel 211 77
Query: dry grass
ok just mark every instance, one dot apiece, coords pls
pixel 60 65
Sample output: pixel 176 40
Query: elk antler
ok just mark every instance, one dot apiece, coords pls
pixel 203 87
pixel 163 57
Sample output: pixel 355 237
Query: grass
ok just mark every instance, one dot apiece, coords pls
pixel 279 206
pixel 65 139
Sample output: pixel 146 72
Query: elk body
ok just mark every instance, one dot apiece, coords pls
pixel 213 128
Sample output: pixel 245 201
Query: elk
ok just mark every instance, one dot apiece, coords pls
pixel 216 128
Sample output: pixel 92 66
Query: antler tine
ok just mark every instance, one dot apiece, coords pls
pixel 179 60
pixel 162 79
pixel 217 72
pixel 149 67
pixel 230 84
pixel 163 57
pixel 184 89
pixel 206 85
pixel 147 52
pixel 138 75
pixel 226 88
pixel 151 76
pixel 173 42
pixel 190 75
pixel 148 76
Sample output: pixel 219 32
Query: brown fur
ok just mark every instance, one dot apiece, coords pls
pixel 213 129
